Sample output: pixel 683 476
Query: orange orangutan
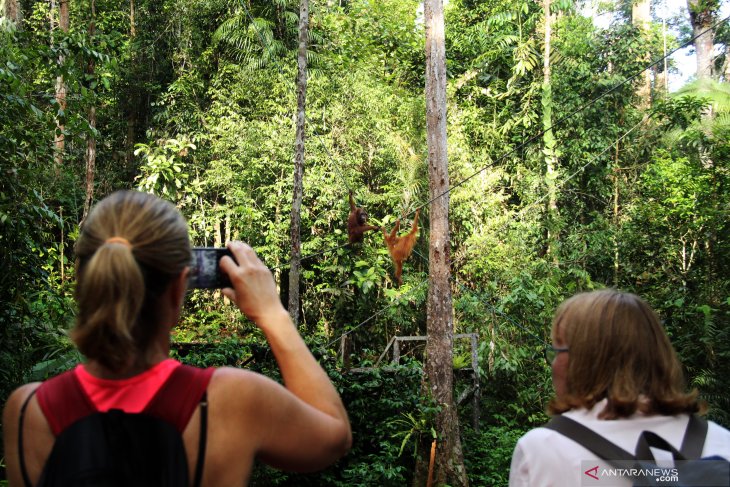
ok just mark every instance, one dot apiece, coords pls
pixel 400 248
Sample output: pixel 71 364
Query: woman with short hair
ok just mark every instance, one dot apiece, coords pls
pixel 614 372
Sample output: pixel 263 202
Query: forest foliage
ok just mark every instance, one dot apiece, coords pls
pixel 195 101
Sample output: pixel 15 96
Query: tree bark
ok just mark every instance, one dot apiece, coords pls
pixel 616 219
pixel 134 100
pixel 296 243
pixel 90 138
pixel 641 18
pixel 60 139
pixel 549 144
pixel 449 460
pixel 132 28
pixel 702 16
pixel 11 10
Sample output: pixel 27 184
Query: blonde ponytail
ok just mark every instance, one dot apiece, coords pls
pixel 130 248
pixel 110 297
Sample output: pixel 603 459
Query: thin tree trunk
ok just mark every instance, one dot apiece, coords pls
pixel 449 461
pixel 701 16
pixel 616 255
pixel 665 73
pixel 640 18
pixel 91 138
pixel 134 99
pixel 132 28
pixel 549 139
pixel 296 244
pixel 60 140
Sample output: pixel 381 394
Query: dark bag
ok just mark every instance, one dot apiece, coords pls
pixel 689 469
pixel 114 448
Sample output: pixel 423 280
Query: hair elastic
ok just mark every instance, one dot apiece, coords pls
pixel 119 240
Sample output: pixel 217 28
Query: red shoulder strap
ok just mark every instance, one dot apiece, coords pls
pixel 63 401
pixel 177 399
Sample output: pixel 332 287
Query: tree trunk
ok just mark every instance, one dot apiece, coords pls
pixel 549 139
pixel 296 244
pixel 132 28
pixel 133 101
pixel 60 140
pixel 701 16
pixel 91 138
pixel 448 466
pixel 640 18
pixel 11 10
pixel 616 220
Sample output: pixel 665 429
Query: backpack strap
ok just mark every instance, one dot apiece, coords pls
pixel 692 443
pixel 694 437
pixel 589 439
pixel 648 440
pixel 202 440
pixel 21 454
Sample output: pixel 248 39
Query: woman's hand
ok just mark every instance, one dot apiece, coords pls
pixel 254 290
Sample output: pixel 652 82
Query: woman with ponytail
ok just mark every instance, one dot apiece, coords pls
pixel 132 260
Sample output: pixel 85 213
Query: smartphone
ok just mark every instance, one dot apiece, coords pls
pixel 205 271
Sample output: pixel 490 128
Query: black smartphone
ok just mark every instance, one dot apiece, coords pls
pixel 205 271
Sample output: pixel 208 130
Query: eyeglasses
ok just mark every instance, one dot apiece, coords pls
pixel 551 353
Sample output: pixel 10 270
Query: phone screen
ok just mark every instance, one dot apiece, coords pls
pixel 205 271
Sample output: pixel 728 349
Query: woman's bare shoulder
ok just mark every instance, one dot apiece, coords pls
pixel 17 398
pixel 242 389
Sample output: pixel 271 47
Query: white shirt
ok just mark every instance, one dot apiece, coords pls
pixel 546 458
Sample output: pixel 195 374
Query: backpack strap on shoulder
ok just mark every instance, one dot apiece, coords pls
pixel 63 401
pixel 589 439
pixel 21 454
pixel 692 443
pixel 202 440
pixel 694 437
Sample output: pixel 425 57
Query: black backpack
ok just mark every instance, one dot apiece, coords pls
pixel 689 469
pixel 118 449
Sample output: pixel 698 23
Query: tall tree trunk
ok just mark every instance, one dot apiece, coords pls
pixel 448 466
pixel 551 160
pixel 132 28
pixel 133 101
pixel 641 18
pixel 702 15
pixel 296 243
pixel 60 140
pixel 11 11
pixel 90 138
pixel 665 72
pixel 616 220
